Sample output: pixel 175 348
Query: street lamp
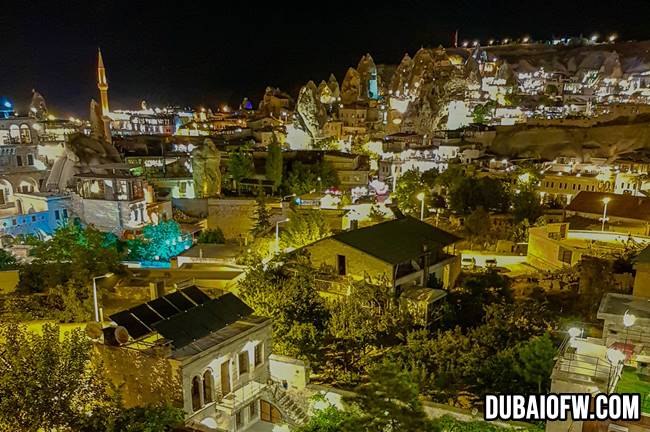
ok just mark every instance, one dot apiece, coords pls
pixel 277 234
pixel 95 293
pixel 420 196
pixel 628 321
pixel 606 201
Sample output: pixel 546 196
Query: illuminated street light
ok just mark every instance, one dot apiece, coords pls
pixel 612 37
pixel 574 332
pixel 615 356
pixel 594 37
pixel 107 275
pixel 465 43
pixel 277 234
pixel 491 42
pixel 475 43
pixel 525 39
pixel 606 201
pixel 628 321
pixel 420 196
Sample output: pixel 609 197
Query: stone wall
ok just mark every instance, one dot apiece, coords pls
pixel 234 216
pixel 141 378
pixel 358 264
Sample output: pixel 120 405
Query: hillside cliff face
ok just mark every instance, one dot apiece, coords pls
pixel 608 140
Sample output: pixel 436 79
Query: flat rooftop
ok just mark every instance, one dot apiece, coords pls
pixel 615 305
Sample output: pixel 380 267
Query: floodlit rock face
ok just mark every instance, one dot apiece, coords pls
pixel 206 173
pixel 274 101
pixel 607 141
pixel 311 113
pixel 325 93
pixel 401 76
pixel 333 84
pixel 351 87
pixel 82 154
pixel 367 77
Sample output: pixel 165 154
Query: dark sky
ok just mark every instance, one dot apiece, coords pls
pixel 204 53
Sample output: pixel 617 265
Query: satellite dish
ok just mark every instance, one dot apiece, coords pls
pixel 121 335
pixel 94 330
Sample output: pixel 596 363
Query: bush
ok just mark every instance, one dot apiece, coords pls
pixel 214 236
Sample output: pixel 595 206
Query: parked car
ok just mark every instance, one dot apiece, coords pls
pixel 491 263
pixel 468 264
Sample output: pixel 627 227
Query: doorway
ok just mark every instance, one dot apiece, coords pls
pixel 269 413
pixel 225 377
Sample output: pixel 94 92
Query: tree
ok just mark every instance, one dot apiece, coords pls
pixel 328 419
pixel 536 359
pixel 368 317
pixel 159 242
pixel 451 175
pixel 7 260
pixel 410 185
pixel 240 165
pixel 290 297
pixel 149 418
pixel 478 224
pixel 304 227
pixel 262 216
pixel 526 206
pixel 375 215
pixel 388 402
pixel 212 235
pixel 46 381
pixel 467 301
pixel 467 194
pixel 302 178
pixel 274 163
pixel 481 113
pixel 72 253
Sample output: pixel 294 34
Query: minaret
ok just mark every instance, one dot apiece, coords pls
pixel 102 84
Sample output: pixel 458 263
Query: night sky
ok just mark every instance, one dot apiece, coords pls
pixel 196 53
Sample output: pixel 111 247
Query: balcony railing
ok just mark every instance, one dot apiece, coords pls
pixel 240 397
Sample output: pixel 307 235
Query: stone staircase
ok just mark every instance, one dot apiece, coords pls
pixel 295 413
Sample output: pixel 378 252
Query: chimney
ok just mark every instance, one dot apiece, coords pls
pixel 156 289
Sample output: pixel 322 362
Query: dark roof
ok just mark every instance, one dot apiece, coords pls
pixel 186 316
pixel 139 320
pixel 622 206
pixel 198 322
pixel 397 240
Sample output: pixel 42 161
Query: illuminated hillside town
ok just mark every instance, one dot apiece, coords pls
pixel 380 247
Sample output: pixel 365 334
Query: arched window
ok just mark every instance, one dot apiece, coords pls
pixel 208 386
pixel 196 394
pixel 25 134
pixel 14 132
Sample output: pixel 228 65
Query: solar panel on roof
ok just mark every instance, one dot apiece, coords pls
pixel 197 296
pixel 135 328
pixel 163 307
pixel 145 314
pixel 180 301
pixel 232 308
pixel 169 329
pixel 202 320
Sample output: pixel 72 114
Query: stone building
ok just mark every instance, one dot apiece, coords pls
pixel 211 356
pixel 403 252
